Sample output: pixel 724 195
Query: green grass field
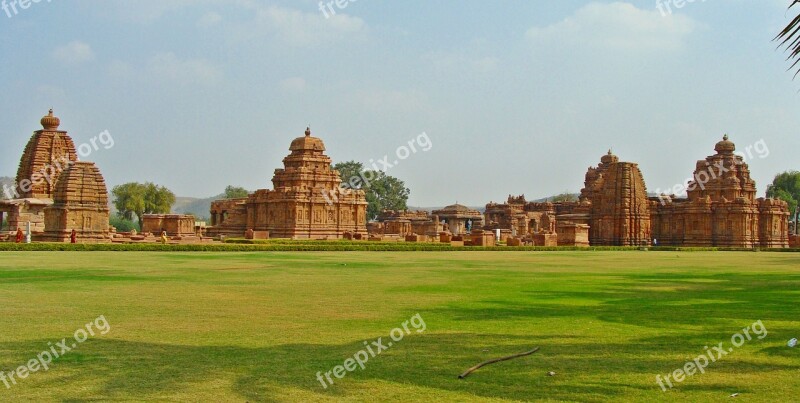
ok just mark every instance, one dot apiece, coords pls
pixel 259 326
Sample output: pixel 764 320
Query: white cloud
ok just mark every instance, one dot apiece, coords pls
pixel 144 12
pixel 168 66
pixel 293 85
pixel 246 20
pixel 457 63
pixel 298 28
pixel 209 19
pixel 617 26
pixel 75 52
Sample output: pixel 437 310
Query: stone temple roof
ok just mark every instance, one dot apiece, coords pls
pixel 609 158
pixel 50 122
pixel 307 143
pixel 82 184
pixel 725 146
pixel 457 210
pixel 47 151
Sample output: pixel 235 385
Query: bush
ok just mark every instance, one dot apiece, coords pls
pixel 123 225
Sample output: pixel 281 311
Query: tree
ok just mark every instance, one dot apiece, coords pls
pixel 351 173
pixel 786 186
pixel 123 225
pixel 564 197
pixel 790 37
pixel 139 199
pixel 383 192
pixel 233 192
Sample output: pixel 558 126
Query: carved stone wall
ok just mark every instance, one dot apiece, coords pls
pixel 620 213
pixel 721 208
pixel 306 202
pixel 80 204
pixel 176 225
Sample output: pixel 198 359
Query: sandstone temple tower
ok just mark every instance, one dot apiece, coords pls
pixel 48 153
pixel 80 203
pixel 721 208
pixel 620 210
pixel 54 192
pixel 306 201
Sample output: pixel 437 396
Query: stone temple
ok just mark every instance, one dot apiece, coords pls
pixel 55 192
pixel 80 203
pixel 721 208
pixel 614 205
pixel 306 201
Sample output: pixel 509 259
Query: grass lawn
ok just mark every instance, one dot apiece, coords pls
pixel 259 326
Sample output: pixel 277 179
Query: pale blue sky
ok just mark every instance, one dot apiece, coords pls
pixel 516 96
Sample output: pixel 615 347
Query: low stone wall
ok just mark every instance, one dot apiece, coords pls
pixel 545 240
pixel 175 225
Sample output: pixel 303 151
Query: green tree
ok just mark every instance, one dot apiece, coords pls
pixel 564 197
pixel 139 199
pixel 786 186
pixel 350 172
pixel 123 225
pixel 383 192
pixel 233 192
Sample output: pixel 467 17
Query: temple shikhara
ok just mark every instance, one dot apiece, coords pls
pixel 55 193
pixel 721 209
pixel 306 202
pixel 614 209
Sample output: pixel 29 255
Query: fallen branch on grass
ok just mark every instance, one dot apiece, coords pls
pixel 510 357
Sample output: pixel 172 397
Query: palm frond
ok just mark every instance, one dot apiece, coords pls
pixel 789 38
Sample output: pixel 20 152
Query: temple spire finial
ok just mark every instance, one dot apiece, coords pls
pixel 308 131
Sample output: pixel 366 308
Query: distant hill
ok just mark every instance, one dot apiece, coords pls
pixel 199 208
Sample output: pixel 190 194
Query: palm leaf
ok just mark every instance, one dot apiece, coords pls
pixel 789 37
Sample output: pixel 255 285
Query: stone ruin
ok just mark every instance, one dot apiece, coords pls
pixel 459 220
pixel 56 194
pixel 423 226
pixel 400 224
pixel 615 209
pixel 179 227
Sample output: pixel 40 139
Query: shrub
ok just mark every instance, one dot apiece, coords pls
pixel 123 225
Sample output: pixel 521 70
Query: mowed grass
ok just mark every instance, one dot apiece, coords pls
pixel 259 326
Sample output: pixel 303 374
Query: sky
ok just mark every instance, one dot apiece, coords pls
pixel 512 97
